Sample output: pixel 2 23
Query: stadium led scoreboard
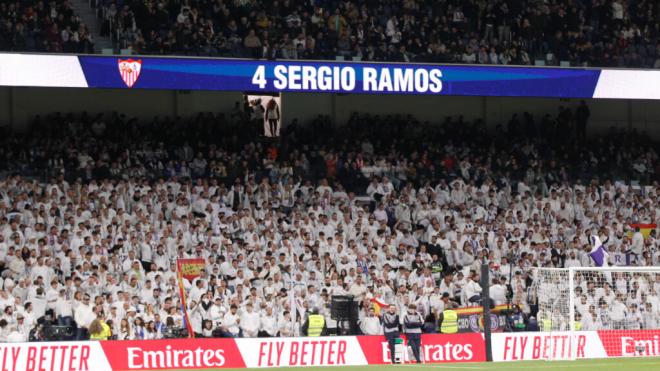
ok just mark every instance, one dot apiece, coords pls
pixel 179 73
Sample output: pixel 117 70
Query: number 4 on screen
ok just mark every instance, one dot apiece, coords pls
pixel 259 77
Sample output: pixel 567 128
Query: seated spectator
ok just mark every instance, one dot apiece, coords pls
pixel 500 33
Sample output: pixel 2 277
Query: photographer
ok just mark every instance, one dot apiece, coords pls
pixel 517 321
pixel 171 331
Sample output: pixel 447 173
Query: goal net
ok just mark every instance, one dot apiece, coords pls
pixel 598 312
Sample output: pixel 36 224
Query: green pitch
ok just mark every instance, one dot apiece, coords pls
pixel 618 364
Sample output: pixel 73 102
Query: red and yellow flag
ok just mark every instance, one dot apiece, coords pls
pixel 644 228
pixel 378 305
pixel 190 268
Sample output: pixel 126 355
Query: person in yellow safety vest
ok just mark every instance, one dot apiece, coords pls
pixel 99 330
pixel 315 324
pixel 107 332
pixel 546 322
pixel 448 320
pixel 577 324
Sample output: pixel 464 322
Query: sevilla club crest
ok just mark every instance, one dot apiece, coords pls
pixel 129 70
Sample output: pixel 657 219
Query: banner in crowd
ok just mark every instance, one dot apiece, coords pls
pixel 188 269
pixel 644 228
pixel 180 354
pixel 261 76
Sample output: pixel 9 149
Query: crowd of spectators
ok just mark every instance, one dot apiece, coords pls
pixel 95 210
pixel 43 26
pixel 583 32
pixel 618 33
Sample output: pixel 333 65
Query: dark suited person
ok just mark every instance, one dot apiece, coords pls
pixel 391 323
pixel 412 327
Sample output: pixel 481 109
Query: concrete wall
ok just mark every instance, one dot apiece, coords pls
pixel 19 105
pixel 646 117
pixel 643 115
pixel 5 107
pixel 604 113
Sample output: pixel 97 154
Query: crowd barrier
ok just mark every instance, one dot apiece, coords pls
pixel 322 351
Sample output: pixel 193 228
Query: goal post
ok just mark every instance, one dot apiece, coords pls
pixel 551 290
pixel 616 310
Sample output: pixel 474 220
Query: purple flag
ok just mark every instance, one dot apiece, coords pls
pixel 598 252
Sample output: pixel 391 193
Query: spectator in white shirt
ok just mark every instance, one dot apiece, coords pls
pixel 473 290
pixel 83 315
pixel 268 323
pixel 358 289
pixel 498 291
pixel 250 322
pixel 370 325
pixel 230 323
pixel 284 325
pixel 617 313
pixel 63 309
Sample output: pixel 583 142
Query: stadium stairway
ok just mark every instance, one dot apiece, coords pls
pixel 89 18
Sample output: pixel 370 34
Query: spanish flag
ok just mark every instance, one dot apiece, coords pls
pixel 378 305
pixel 644 228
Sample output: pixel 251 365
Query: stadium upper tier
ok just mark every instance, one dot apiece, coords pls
pixel 382 208
pixel 603 33
pixel 43 26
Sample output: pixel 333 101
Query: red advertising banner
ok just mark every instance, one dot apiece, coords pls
pixel 173 354
pixel 626 343
pixel 188 354
pixel 467 347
